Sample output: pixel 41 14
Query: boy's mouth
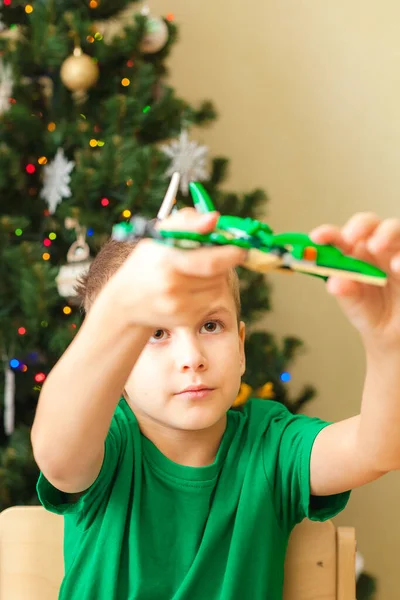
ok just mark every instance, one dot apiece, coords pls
pixel 195 391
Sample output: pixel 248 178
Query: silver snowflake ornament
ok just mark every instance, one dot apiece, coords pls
pixel 188 158
pixel 6 86
pixel 56 180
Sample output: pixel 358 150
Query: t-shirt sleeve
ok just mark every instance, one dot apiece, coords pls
pixel 287 455
pixel 87 502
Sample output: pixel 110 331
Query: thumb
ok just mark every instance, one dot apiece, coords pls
pixel 343 289
pixel 188 219
pixel 208 262
pixel 350 295
pixel 207 222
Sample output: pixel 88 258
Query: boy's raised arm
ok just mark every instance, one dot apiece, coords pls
pixel 80 395
pixel 360 449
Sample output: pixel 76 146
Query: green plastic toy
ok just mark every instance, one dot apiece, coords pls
pixel 267 251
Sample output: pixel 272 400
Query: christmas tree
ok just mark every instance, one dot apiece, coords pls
pixel 90 134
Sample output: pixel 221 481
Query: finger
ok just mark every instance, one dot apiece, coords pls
pixel 343 288
pixel 360 227
pixel 207 262
pixel 386 237
pixel 361 251
pixel 329 234
pixel 190 220
pixel 395 263
pixel 381 259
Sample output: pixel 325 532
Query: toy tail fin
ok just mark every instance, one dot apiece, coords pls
pixel 201 199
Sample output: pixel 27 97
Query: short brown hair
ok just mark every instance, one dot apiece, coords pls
pixel 109 259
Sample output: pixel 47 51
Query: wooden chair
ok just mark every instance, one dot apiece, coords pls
pixel 320 564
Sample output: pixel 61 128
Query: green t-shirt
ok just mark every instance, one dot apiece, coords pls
pixel 150 529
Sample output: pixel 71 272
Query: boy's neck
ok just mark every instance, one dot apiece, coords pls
pixel 186 448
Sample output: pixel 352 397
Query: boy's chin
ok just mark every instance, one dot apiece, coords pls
pixel 199 418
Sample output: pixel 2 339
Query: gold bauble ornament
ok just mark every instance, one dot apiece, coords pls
pixel 79 73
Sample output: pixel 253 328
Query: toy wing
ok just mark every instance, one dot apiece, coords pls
pixel 266 251
pixel 290 251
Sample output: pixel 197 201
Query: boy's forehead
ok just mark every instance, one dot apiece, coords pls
pixel 223 303
pixel 219 309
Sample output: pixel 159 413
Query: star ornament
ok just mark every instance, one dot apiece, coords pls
pixel 188 158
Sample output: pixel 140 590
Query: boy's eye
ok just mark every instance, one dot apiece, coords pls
pixel 212 326
pixel 158 335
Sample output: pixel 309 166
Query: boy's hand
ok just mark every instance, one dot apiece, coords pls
pixel 163 286
pixel 374 311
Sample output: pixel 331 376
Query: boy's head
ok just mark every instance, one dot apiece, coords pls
pixel 209 353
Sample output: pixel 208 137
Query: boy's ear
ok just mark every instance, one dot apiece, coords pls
pixel 242 336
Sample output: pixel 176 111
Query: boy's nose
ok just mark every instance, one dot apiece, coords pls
pixel 191 358
pixel 193 365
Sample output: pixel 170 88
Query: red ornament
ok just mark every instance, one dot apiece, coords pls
pixel 105 202
pixel 30 169
pixel 39 377
pixel 47 242
pixel 21 330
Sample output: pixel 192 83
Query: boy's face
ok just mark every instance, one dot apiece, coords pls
pixel 207 354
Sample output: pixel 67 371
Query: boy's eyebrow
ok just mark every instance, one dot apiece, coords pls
pixel 216 310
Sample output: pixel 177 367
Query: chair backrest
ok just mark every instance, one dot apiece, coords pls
pixel 31 553
pixel 320 563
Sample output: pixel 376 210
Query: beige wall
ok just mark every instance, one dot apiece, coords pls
pixel 309 100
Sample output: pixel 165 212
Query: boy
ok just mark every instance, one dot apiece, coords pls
pixel 168 494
